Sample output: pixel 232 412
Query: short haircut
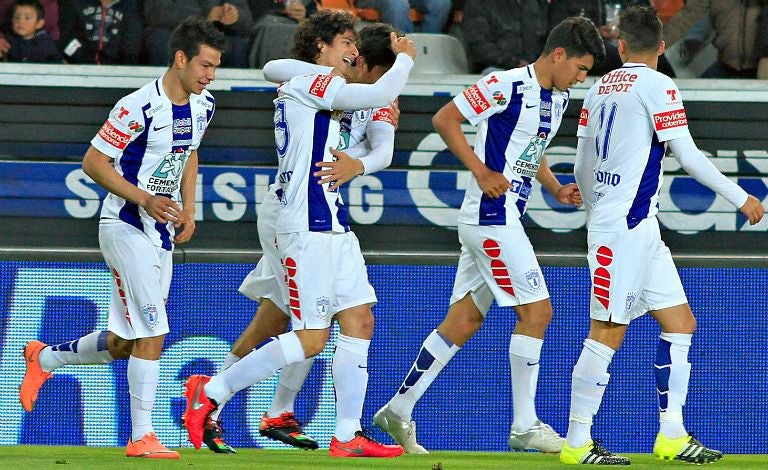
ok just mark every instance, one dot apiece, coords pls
pixel 322 26
pixel 192 33
pixel 640 28
pixel 39 9
pixel 579 36
pixel 374 43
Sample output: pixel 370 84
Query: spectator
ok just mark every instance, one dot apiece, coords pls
pixel 232 17
pixel 397 13
pixel 275 21
pixel 735 25
pixel 28 41
pixel 100 31
pixel 503 34
pixel 51 8
pixel 596 11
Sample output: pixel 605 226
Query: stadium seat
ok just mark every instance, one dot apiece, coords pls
pixel 368 14
pixel 439 53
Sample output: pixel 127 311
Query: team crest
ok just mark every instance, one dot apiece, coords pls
pixel 323 305
pixel 534 279
pixel 200 120
pixel 631 297
pixel 499 97
pixel 149 312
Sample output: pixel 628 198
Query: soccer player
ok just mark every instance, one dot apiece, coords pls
pixel 366 146
pixel 325 270
pixel 630 117
pixel 145 156
pixel 518 113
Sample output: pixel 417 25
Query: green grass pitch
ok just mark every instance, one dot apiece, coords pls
pixel 66 458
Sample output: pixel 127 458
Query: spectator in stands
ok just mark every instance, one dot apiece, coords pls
pixel 233 17
pixel 100 31
pixel 503 34
pixel 596 11
pixel 51 8
pixel 28 41
pixel 275 21
pixel 735 25
pixel 397 13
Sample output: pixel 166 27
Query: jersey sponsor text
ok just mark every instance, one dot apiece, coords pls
pixel 476 100
pixel 114 137
pixel 319 85
pixel 670 119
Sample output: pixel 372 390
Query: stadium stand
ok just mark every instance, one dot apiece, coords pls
pixel 439 53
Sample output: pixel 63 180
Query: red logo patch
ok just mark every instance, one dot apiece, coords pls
pixel 319 85
pixel 476 100
pixel 670 119
pixel 114 137
pixel 584 117
pixel 384 114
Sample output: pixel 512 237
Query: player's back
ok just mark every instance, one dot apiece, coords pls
pixel 627 116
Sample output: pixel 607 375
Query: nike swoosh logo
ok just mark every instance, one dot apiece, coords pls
pixel 196 405
pixel 532 363
pixel 601 385
pixel 362 367
pixel 529 106
pixel 357 450
pixel 155 128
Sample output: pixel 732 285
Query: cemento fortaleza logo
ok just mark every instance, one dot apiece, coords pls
pixel 670 119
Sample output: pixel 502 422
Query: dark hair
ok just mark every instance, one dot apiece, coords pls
pixel 193 33
pixel 640 28
pixel 39 9
pixel 374 43
pixel 322 26
pixel 579 36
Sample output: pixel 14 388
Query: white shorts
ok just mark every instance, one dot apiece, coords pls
pixel 267 280
pixel 141 274
pixel 497 262
pixel 325 274
pixel 632 272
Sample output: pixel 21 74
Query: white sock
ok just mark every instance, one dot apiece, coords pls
pixel 673 371
pixel 90 349
pixel 588 382
pixel 269 357
pixel 524 354
pixel 292 378
pixel 433 357
pixel 228 361
pixel 350 379
pixel 143 375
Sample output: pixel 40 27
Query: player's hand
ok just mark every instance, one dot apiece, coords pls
pixel 753 210
pixel 492 183
pixel 163 209
pixel 231 14
pixel 402 44
pixel 338 172
pixel 569 194
pixel 187 223
pixel 395 108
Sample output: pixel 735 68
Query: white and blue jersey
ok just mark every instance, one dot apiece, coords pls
pixel 304 103
pixel 628 116
pixel 150 139
pixel 516 119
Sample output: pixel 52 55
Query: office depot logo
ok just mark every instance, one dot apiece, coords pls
pixel 670 119
pixel 475 98
pixel 114 137
pixel 320 85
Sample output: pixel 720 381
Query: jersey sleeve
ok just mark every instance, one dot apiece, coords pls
pixel 123 125
pixel 584 129
pixel 488 96
pixel 380 133
pixel 664 104
pixel 316 91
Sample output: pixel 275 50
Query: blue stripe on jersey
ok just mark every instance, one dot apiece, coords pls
pixel 649 185
pixel 318 212
pixel 545 127
pixel 498 135
pixel 130 164
pixel 209 113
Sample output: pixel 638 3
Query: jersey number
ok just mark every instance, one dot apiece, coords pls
pixel 605 126
pixel 282 135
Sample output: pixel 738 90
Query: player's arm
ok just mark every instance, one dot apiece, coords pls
pixel 387 88
pixel 697 165
pixel 99 167
pixel 282 70
pixel 188 187
pixel 381 136
pixel 564 193
pixel 583 171
pixel 447 122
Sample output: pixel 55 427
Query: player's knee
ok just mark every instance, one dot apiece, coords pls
pixel 119 348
